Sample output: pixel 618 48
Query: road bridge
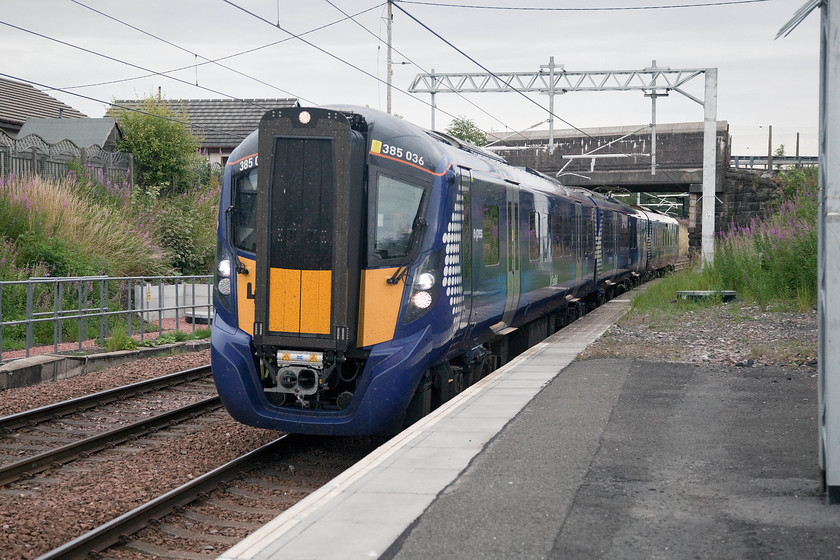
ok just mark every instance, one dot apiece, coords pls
pixel 618 160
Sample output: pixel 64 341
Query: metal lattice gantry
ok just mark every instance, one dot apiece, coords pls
pixel 562 81
pixel 554 80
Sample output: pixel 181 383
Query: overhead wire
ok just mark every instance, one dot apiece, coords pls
pixel 587 9
pixel 215 60
pixel 328 53
pixel 184 49
pixel 508 84
pixel 378 38
pixel 114 59
pixel 118 106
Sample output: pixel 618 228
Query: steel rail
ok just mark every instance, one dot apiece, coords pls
pixel 42 461
pixel 117 529
pixel 53 411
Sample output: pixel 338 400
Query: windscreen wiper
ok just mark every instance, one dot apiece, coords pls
pixel 416 235
pixel 240 268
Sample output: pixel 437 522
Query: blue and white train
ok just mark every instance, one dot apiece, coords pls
pixel 368 269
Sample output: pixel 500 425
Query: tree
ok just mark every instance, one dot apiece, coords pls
pixel 466 129
pixel 163 145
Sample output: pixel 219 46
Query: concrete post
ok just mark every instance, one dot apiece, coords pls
pixel 707 245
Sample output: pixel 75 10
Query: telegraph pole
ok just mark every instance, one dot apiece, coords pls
pixel 388 70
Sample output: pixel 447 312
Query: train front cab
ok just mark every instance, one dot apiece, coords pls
pixel 309 344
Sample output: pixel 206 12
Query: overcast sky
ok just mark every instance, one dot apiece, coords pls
pixel 762 82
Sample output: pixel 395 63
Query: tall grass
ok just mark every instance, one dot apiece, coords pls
pixel 771 262
pixel 59 225
pixel 85 225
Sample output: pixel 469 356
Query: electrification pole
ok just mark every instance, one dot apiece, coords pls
pixel 707 240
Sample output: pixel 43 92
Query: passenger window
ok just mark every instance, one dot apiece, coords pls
pixel 491 235
pixel 555 226
pixel 534 236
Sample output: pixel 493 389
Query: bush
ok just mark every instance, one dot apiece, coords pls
pixel 185 226
pixel 163 145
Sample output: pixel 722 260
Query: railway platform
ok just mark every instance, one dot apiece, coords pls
pixel 554 458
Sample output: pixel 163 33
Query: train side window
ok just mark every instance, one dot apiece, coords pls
pixel 567 235
pixel 534 236
pixel 555 227
pixel 491 235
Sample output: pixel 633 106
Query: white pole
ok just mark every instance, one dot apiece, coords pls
pixel 653 121
pixel 828 262
pixel 388 70
pixel 707 245
pixel 433 98
pixel 551 104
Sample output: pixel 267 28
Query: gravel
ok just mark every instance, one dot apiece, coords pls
pixel 731 335
pixel 25 398
pixel 43 512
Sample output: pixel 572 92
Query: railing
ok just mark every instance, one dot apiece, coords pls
pixel 776 162
pixel 71 308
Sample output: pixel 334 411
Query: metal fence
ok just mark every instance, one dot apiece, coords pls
pixel 772 162
pixel 32 155
pixel 80 313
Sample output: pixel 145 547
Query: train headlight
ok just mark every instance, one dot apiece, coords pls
pixel 223 284
pixel 424 288
pixel 425 281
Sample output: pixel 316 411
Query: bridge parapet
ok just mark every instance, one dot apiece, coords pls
pixel 620 156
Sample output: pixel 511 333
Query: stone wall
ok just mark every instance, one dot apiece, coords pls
pixel 745 196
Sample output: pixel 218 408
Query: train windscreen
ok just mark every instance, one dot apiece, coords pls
pixel 397 205
pixel 244 218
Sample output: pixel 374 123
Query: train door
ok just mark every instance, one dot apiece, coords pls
pixel 514 280
pixel 578 243
pixel 469 260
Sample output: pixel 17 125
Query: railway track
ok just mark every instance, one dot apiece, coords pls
pixel 207 515
pixel 66 459
pixel 35 440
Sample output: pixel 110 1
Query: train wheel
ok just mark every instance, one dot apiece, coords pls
pixel 421 402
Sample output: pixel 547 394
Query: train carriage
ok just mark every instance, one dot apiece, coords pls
pixel 368 269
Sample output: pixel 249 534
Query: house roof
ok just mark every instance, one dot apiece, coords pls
pixel 82 132
pixel 19 101
pixel 222 123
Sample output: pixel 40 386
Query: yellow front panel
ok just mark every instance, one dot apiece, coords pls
pixel 284 300
pixel 315 301
pixel 245 306
pixel 379 306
